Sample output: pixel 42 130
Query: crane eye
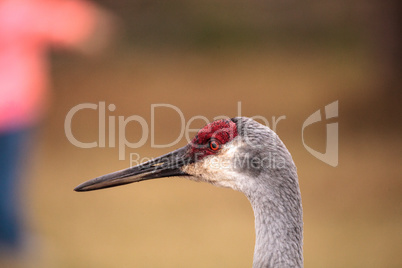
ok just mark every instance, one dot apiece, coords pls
pixel 214 145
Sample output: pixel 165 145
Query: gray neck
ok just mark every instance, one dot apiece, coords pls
pixel 272 187
pixel 278 226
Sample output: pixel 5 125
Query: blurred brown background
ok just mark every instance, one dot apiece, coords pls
pixel 278 58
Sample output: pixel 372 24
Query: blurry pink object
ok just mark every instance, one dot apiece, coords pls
pixel 27 29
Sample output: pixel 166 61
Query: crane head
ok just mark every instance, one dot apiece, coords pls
pixel 227 153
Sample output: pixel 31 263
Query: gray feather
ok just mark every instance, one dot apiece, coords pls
pixel 274 193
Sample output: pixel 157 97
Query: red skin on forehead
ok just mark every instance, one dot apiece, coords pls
pixel 221 131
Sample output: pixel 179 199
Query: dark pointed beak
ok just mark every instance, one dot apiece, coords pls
pixel 167 165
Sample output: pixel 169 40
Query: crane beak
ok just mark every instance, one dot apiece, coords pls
pixel 167 165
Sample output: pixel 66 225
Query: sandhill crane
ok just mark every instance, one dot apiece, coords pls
pixel 248 157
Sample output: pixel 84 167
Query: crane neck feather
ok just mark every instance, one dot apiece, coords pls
pixel 278 223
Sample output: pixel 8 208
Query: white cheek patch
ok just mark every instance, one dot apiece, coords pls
pixel 216 169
